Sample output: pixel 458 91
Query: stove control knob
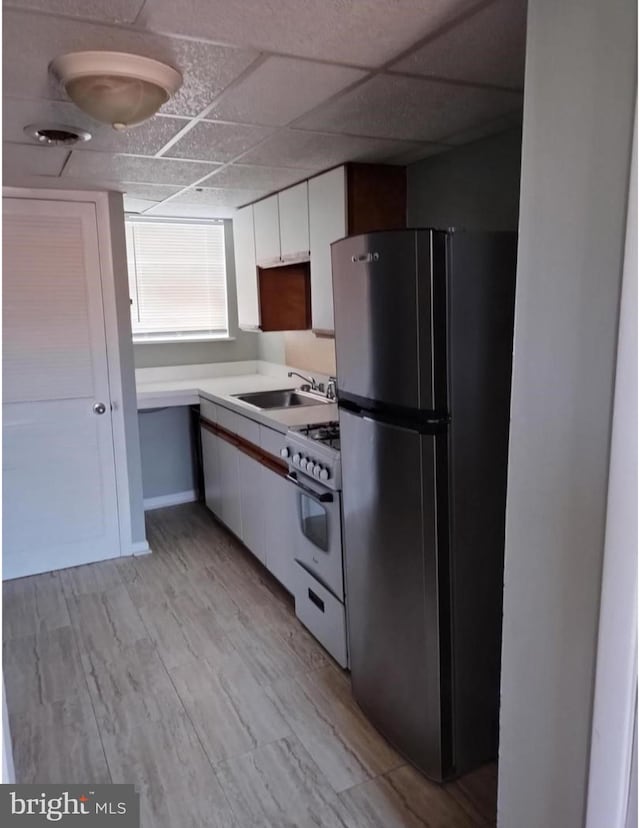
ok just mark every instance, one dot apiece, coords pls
pixel 317 470
pixel 310 465
pixel 324 474
pixel 284 453
pixel 296 459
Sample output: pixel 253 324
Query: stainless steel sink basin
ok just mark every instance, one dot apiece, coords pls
pixel 285 398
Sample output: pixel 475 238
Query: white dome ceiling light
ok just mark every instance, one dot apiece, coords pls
pixel 114 87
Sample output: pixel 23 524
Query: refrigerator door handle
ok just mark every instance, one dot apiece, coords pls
pixel 366 257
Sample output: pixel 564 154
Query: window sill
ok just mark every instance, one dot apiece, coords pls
pixel 176 340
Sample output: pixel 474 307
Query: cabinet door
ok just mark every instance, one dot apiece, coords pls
pixel 211 471
pixel 230 511
pixel 246 273
pixel 294 222
pixel 266 220
pixel 327 223
pixel 281 527
pixel 252 504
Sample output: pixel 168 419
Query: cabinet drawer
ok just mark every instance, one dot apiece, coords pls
pixel 322 614
pixel 271 441
pixel 208 410
pixel 227 419
pixel 248 429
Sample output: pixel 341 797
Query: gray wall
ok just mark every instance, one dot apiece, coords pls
pixel 164 435
pixel 165 443
pixel 475 187
pixel 244 346
pixel 579 101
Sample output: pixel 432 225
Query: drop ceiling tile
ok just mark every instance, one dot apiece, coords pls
pixel 149 192
pixel 260 98
pixel 134 168
pixel 418 152
pixel 19 160
pixel 488 47
pixel 247 177
pixel 31 41
pixel 113 11
pixel 136 205
pixel 366 33
pixel 392 106
pixel 145 139
pixel 218 197
pixel 485 129
pixel 317 150
pixel 214 141
pixel 190 211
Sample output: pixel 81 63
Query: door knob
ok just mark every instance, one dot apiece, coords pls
pixel 99 408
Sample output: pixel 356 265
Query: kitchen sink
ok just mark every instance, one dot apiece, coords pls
pixel 285 398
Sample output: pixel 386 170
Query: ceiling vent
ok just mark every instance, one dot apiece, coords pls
pixel 56 134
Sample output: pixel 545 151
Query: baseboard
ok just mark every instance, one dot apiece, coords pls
pixel 172 499
pixel 139 548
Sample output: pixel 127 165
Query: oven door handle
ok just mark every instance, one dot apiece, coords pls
pixel 325 497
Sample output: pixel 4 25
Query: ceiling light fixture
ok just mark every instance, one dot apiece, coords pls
pixel 114 87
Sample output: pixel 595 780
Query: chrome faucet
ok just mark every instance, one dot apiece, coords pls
pixel 310 382
pixel 332 393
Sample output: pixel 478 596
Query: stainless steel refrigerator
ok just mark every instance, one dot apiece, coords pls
pixel 424 329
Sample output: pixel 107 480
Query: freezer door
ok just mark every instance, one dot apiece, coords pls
pixel 389 501
pixel 382 288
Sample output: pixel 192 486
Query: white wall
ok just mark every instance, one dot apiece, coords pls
pixel 579 100
pixel 616 686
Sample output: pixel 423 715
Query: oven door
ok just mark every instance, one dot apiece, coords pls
pixel 318 544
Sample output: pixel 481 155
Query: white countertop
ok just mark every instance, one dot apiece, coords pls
pixel 157 388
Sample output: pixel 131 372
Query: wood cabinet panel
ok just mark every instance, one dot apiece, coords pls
pixel 285 297
pixel 376 198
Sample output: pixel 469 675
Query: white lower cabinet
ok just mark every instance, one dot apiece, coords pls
pixel 280 527
pixel 211 471
pixel 252 505
pixel 229 472
pixel 257 504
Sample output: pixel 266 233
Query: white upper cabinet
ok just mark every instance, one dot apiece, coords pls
pixel 246 273
pixel 266 218
pixel 294 222
pixel 327 223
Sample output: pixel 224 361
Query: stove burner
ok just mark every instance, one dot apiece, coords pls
pixel 327 433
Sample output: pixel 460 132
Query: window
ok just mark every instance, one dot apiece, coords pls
pixel 177 280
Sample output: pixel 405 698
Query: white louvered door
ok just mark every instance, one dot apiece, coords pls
pixel 59 481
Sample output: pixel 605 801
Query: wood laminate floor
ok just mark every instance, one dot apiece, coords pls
pixel 187 673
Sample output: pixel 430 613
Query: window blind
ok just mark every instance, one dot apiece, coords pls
pixel 177 280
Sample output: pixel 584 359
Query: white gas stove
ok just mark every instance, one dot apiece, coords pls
pixel 313 455
pixel 314 451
